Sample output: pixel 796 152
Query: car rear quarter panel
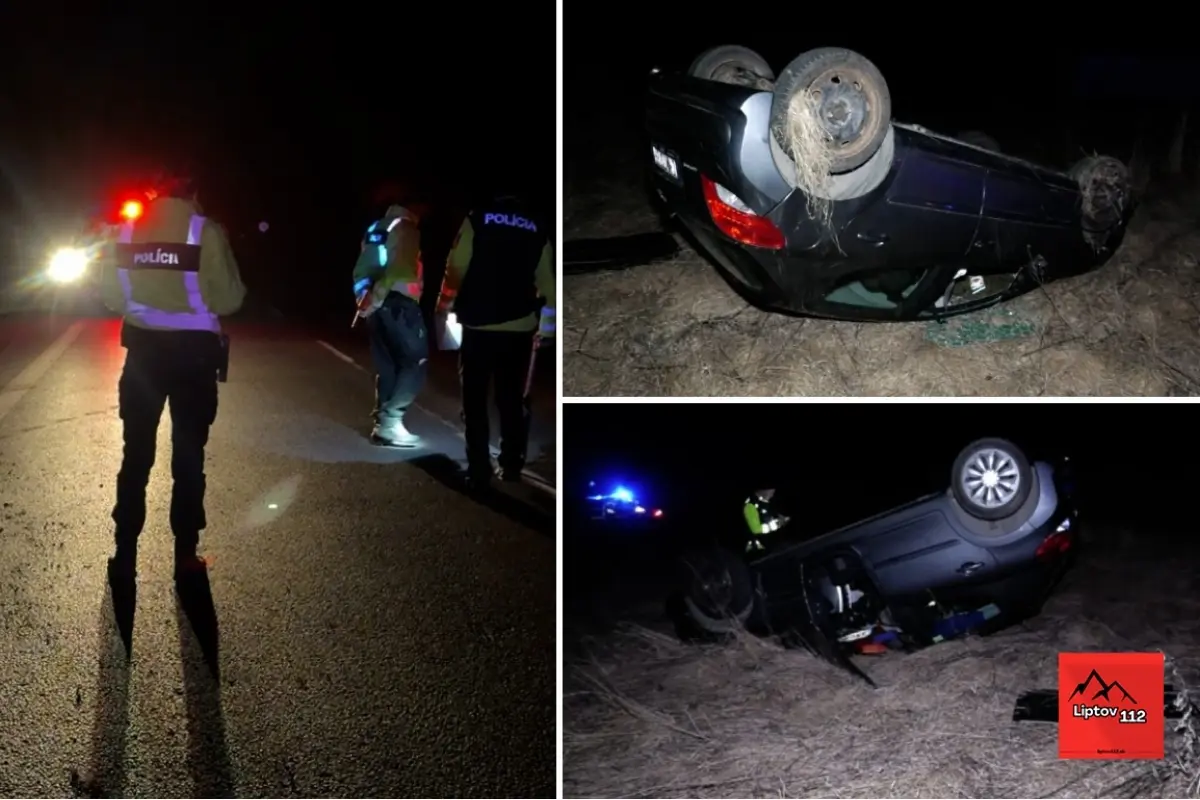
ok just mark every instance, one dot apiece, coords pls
pixel 720 131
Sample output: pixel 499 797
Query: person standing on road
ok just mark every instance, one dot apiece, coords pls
pixel 387 283
pixel 500 272
pixel 171 276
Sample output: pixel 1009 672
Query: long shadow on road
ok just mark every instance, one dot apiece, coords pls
pixel 207 753
pixel 111 723
pixel 199 649
pixel 537 515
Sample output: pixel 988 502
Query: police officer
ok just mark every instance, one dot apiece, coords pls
pixel 761 518
pixel 171 277
pixel 387 278
pixel 499 276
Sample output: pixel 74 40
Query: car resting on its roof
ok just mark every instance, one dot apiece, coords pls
pixel 983 552
pixel 810 199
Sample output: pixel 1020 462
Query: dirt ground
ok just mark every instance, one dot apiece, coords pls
pixel 647 716
pixel 675 328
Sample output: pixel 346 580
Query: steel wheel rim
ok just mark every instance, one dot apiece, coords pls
pixel 713 589
pixel 991 478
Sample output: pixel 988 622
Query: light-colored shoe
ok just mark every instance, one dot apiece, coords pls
pixel 394 434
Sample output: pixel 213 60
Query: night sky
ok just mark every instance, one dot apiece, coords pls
pixel 851 460
pixel 294 116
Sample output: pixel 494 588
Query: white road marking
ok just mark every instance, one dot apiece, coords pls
pixel 27 378
pixel 341 355
pixel 535 480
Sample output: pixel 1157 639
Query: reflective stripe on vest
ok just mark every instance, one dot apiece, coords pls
pixel 547 325
pixel 198 319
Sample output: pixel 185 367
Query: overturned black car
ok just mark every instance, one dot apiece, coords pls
pixel 811 200
pixel 983 552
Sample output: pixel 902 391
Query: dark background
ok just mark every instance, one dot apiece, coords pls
pixel 1049 84
pixel 294 115
pixel 846 461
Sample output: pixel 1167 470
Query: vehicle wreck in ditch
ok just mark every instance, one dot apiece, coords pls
pixel 810 199
pixel 983 551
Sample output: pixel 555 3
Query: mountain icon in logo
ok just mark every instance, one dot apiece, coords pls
pixel 1105 688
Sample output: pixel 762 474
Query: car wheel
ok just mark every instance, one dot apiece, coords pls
pixel 733 64
pixel 991 479
pixel 851 103
pixel 979 139
pixel 1106 192
pixel 717 590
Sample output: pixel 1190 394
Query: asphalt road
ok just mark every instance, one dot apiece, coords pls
pixel 379 633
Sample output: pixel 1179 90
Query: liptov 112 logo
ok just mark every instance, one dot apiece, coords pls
pixel 1099 713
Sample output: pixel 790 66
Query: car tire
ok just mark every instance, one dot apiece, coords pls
pixel 979 139
pixel 716 590
pixel 735 65
pixel 991 479
pixel 1106 192
pixel 851 86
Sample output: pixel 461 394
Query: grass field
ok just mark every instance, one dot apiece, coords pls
pixel 648 716
pixel 675 328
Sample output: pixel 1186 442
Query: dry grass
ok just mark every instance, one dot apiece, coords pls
pixel 1131 328
pixel 647 716
pixel 812 154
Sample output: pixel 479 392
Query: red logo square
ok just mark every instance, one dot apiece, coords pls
pixel 1110 705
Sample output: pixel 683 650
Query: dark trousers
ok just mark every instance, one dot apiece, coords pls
pixel 179 367
pixel 399 350
pixel 503 357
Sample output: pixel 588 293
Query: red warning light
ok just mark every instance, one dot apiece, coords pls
pixel 657 513
pixel 131 210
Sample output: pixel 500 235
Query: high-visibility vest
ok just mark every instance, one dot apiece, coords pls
pixel 181 259
pixel 390 257
pixel 760 519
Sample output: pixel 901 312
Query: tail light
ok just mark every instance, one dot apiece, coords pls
pixel 735 219
pixel 1056 544
pixel 657 513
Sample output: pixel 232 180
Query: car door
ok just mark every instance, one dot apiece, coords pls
pixel 930 215
pixel 920 232
pixel 1029 213
pixel 912 551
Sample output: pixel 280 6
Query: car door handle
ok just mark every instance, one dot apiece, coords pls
pixel 875 240
pixel 970 567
